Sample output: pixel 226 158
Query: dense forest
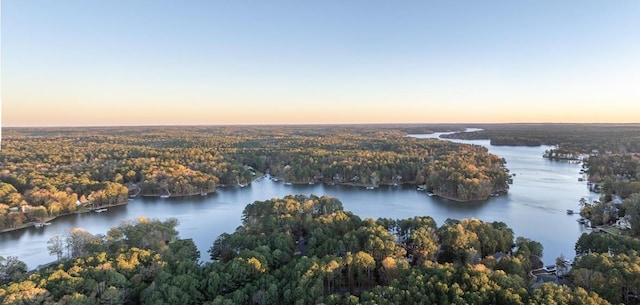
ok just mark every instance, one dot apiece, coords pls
pixel 308 250
pixel 46 172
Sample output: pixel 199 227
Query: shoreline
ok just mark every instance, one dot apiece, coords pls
pixel 85 209
pixel 174 196
pixel 403 184
pixel 352 184
pixel 457 199
pixel 80 210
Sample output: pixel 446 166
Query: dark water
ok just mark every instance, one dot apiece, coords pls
pixel 535 208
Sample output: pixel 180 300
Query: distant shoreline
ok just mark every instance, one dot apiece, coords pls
pixel 458 199
pixel 399 184
pixel 174 195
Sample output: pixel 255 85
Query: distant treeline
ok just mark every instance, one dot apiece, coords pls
pixel 584 138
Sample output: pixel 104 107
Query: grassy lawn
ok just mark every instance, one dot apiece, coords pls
pixel 612 230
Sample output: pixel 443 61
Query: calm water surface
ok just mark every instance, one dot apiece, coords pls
pixel 535 207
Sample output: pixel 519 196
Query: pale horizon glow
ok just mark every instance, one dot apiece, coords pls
pixel 101 63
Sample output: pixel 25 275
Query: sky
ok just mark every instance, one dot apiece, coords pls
pixel 97 62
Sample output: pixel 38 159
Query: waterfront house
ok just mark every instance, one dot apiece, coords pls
pixel 623 223
pixel 498 256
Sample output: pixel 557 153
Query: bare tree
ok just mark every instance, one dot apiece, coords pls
pixel 55 245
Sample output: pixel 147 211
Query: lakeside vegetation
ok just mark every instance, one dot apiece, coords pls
pixel 295 250
pixel 47 172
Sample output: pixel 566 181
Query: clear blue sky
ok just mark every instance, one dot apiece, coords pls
pixel 138 62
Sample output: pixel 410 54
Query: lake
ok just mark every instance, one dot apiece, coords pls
pixel 535 207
